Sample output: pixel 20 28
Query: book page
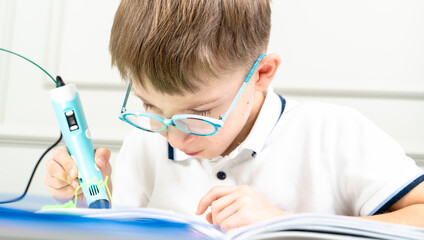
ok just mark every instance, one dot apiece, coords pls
pixel 317 225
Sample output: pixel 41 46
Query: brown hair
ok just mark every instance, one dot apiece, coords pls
pixel 174 44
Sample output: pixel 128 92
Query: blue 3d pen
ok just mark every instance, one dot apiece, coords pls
pixel 71 118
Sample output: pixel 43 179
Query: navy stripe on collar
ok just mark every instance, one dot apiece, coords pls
pixel 171 154
pixel 399 195
pixel 283 106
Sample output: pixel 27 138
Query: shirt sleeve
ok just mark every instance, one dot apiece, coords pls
pixel 376 171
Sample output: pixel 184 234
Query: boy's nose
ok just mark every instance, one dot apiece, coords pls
pixel 177 138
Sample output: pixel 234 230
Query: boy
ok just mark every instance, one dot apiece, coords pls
pixel 215 136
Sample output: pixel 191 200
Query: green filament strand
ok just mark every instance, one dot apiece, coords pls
pixel 42 69
pixel 73 204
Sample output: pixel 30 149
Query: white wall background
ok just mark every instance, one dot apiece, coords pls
pixel 368 54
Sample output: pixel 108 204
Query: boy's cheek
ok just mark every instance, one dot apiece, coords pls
pixel 163 134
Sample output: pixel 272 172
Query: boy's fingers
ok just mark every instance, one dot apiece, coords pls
pixel 209 217
pixel 64 194
pixel 220 206
pixel 80 192
pixel 102 156
pixel 226 213
pixel 61 155
pixel 213 194
pixel 54 183
pixel 55 170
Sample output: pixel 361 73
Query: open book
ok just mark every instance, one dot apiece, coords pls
pixel 159 224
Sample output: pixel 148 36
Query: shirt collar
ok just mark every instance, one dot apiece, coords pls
pixel 176 155
pixel 268 116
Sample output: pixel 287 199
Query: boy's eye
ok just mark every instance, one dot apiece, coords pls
pixel 201 113
pixel 150 107
pixel 147 106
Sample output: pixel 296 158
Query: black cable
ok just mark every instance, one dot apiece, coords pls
pixel 59 83
pixel 33 172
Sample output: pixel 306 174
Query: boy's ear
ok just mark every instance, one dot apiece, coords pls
pixel 266 71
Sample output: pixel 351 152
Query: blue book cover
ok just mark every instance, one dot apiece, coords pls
pixel 145 223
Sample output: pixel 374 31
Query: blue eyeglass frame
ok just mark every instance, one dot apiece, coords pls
pixel 216 123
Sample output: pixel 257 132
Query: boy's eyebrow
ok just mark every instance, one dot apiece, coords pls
pixel 142 99
pixel 194 106
pixel 197 105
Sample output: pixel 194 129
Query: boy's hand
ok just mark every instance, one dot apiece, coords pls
pixel 62 173
pixel 236 206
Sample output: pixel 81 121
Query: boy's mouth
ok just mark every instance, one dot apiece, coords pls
pixel 193 153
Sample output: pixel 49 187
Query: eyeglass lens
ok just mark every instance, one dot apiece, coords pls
pixel 144 122
pixel 189 125
pixel 194 125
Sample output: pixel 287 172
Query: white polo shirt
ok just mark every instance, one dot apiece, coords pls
pixel 313 157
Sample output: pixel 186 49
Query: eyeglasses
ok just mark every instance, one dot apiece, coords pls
pixel 189 123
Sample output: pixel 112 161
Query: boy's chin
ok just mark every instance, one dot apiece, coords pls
pixel 206 155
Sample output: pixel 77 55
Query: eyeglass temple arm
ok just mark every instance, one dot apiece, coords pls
pixel 123 109
pixel 223 117
pixel 246 80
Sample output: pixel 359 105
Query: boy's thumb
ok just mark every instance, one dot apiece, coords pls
pixel 102 157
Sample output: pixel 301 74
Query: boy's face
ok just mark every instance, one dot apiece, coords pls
pixel 211 100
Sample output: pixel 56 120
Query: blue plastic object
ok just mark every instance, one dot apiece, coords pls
pixel 71 118
pixel 18 224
